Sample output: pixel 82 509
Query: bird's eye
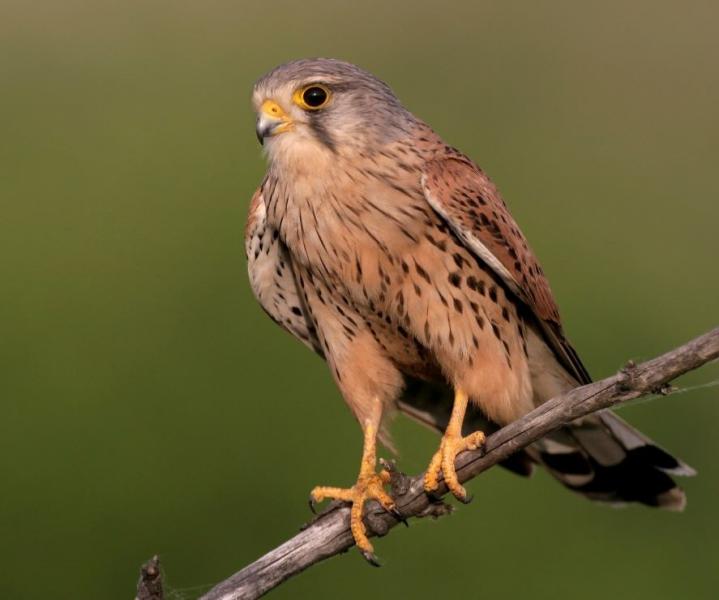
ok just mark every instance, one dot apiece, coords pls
pixel 312 97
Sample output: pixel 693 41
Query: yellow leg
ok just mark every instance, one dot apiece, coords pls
pixel 452 444
pixel 369 486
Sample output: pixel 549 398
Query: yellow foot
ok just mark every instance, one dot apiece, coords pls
pixel 369 486
pixel 443 460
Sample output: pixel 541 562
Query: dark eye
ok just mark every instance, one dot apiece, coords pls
pixel 314 97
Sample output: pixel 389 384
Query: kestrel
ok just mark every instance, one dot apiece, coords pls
pixel 393 256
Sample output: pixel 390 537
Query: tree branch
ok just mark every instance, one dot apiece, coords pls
pixel 330 534
pixel 149 587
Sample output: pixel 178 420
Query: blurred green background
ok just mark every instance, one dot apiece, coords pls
pixel 149 406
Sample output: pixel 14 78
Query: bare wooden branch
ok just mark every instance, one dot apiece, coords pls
pixel 149 587
pixel 330 534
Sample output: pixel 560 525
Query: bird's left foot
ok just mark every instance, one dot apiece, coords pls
pixel 443 461
pixel 369 486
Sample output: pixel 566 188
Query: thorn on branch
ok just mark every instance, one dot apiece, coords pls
pixel 149 587
pixel 627 377
pixel 398 481
pixel 664 389
pixel 436 509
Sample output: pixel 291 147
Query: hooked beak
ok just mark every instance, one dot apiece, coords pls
pixel 272 120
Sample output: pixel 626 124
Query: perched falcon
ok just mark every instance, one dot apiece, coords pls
pixel 393 256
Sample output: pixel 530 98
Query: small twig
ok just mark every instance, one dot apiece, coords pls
pixel 330 534
pixel 149 587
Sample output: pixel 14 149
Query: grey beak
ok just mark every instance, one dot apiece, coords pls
pixel 262 129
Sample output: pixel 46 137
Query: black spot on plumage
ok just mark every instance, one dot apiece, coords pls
pixel 455 279
pixel 422 273
pixel 296 310
pixel 493 293
pixel 441 244
pixel 458 305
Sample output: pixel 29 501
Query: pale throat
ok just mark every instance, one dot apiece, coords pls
pixel 297 154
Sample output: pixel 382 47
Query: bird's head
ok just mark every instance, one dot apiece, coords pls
pixel 326 105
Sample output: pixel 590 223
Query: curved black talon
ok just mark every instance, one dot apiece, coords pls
pixel 434 497
pixel 398 515
pixel 313 504
pixel 371 558
pixel 467 499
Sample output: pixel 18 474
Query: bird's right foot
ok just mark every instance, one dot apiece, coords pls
pixel 369 486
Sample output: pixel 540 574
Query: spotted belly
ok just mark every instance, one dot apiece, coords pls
pixel 444 316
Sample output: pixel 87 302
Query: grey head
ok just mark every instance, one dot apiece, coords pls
pixel 328 102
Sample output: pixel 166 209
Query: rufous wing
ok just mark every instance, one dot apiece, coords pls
pixel 470 204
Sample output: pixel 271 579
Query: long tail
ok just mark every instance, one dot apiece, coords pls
pixel 605 459
pixel 600 457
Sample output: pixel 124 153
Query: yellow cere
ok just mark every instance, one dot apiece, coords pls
pixel 273 110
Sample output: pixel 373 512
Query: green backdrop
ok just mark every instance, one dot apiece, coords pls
pixel 149 406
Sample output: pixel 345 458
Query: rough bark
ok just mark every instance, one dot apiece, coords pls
pixel 149 587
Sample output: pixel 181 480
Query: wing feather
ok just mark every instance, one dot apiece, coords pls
pixel 469 202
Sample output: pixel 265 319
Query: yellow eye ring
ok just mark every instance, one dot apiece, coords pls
pixel 312 97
